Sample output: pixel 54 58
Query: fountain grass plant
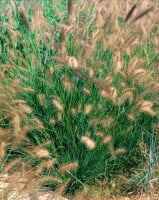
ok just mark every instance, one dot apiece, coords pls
pixel 79 94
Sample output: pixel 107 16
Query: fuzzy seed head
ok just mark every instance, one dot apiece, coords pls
pixel 57 104
pixel 88 109
pixel 107 139
pixel 90 144
pixel 42 153
pixel 73 63
pixel 68 167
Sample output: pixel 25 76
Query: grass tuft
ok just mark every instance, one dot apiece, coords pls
pixel 79 95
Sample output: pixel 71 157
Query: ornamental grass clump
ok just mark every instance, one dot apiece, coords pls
pixel 80 93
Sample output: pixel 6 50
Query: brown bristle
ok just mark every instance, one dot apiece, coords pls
pixel 142 14
pixel 23 16
pixel 130 13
